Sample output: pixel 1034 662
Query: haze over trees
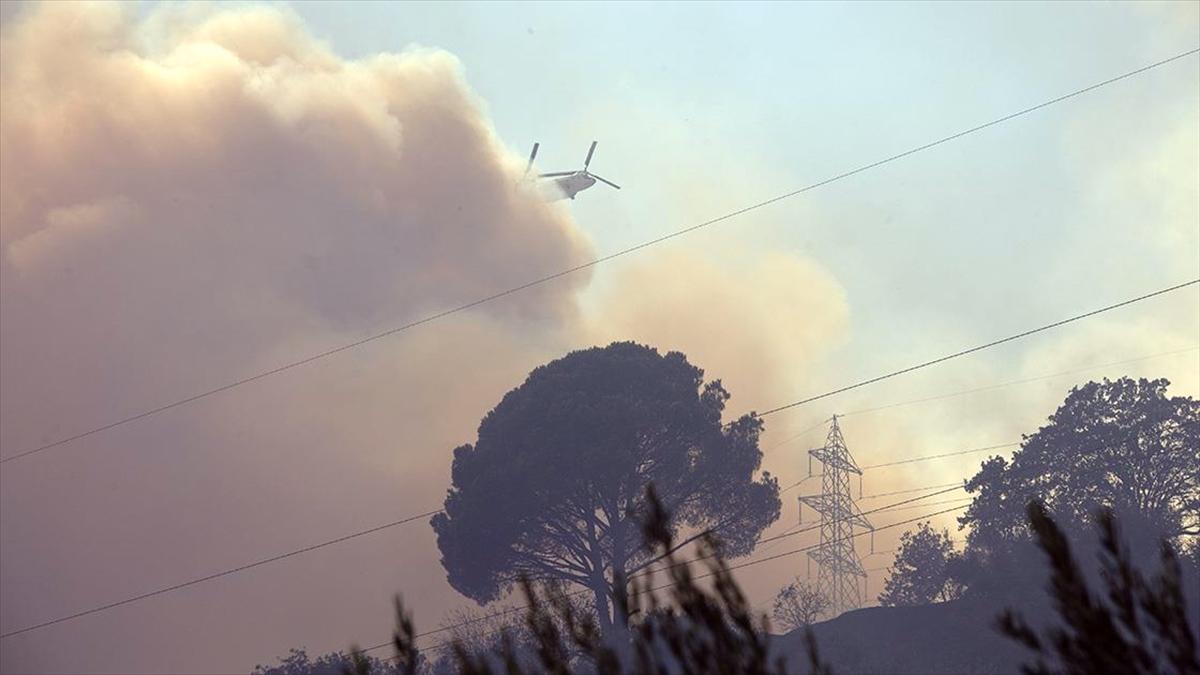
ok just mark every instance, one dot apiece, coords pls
pixel 1123 445
pixel 554 487
pixel 549 498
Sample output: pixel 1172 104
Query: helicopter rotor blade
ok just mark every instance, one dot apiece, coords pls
pixel 532 155
pixel 588 161
pixel 604 180
pixel 555 174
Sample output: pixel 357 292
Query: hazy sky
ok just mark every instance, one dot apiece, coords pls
pixel 193 194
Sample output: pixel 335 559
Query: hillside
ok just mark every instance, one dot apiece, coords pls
pixel 954 638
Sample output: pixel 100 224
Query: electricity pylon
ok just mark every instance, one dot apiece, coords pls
pixel 839 568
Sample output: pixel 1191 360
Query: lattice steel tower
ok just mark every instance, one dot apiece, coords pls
pixel 839 568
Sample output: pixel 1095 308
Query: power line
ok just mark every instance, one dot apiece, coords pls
pixel 947 454
pixel 264 561
pixel 961 393
pixel 862 513
pixel 960 485
pixel 592 263
pixel 982 347
pixel 234 570
pixel 944 501
pixel 1015 382
pixel 901 492
pixel 410 519
pixel 799 483
pixel 989 387
pixel 797 530
pixel 1037 378
pixel 800 434
pixel 210 577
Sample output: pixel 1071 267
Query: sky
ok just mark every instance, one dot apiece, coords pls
pixel 190 194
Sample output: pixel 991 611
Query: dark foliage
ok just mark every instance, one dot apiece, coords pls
pixel 694 629
pixel 1122 445
pixel 297 662
pixel 921 571
pixel 553 488
pixel 1138 627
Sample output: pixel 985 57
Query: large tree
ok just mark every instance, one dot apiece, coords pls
pixel 920 573
pixel 554 487
pixel 1123 445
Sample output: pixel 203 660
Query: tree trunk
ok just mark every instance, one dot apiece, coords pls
pixel 619 581
pixel 603 613
pixel 618 635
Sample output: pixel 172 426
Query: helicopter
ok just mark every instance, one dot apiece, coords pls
pixel 569 183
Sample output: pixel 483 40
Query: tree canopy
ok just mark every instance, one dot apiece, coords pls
pixel 920 572
pixel 554 487
pixel 1122 444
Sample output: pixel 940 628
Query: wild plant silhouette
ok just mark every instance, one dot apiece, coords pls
pixel 693 628
pixel 1138 626
pixel 798 604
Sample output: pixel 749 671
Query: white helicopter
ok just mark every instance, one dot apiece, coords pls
pixel 569 183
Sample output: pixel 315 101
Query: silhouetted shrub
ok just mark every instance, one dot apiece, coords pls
pixel 297 662
pixel 692 629
pixel 1139 627
pixel 798 604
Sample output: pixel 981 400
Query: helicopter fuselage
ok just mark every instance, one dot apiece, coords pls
pixel 572 185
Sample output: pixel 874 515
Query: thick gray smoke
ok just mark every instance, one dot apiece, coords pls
pixel 199 195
